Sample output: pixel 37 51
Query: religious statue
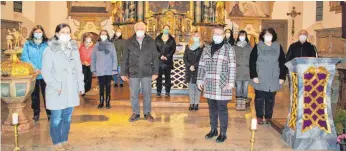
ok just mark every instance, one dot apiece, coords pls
pixel 251 9
pixel 17 37
pixel 118 11
pixel 9 40
pixel 220 12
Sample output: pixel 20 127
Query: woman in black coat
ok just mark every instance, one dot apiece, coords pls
pixel 166 46
pixel 192 55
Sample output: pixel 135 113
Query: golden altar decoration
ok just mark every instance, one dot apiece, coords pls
pixel 17 83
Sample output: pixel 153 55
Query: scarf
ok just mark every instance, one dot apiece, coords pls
pixel 241 44
pixel 66 48
pixel 103 47
pixel 38 41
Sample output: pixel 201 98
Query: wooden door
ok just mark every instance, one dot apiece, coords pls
pixel 281 28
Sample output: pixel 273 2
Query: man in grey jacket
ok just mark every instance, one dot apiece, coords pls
pixel 140 63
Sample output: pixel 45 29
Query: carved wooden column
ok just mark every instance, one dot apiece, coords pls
pixel 198 13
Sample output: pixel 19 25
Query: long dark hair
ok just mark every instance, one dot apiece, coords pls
pixel 269 30
pixel 59 27
pixel 108 38
pixel 231 39
pixel 241 33
pixel 44 36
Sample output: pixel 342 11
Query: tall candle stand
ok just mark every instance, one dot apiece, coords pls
pixel 16 147
pixel 253 131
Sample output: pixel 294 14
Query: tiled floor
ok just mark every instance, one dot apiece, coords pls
pixel 175 128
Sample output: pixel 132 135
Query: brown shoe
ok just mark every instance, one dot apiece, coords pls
pixel 260 121
pixel 59 147
pixel 67 146
pixel 149 117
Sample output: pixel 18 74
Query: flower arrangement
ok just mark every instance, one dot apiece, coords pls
pixel 342 139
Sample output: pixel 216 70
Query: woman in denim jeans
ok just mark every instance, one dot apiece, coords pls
pixel 62 71
pixel 242 50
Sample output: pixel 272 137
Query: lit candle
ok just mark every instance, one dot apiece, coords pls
pixel 15 118
pixel 254 124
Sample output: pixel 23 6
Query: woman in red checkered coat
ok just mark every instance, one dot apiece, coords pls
pixel 216 76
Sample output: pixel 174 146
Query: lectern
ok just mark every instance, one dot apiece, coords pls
pixel 310 123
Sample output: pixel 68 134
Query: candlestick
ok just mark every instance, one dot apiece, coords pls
pixel 254 124
pixel 16 147
pixel 252 140
pixel 15 118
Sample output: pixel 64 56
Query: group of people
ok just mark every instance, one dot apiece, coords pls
pixel 64 71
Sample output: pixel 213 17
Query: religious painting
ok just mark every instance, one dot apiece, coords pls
pixel 3 2
pixel 335 6
pixel 261 9
pixel 82 8
pixel 180 6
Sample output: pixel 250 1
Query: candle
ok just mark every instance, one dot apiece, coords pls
pixel 254 124
pixel 15 118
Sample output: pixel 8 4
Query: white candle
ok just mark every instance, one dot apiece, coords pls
pixel 15 118
pixel 254 124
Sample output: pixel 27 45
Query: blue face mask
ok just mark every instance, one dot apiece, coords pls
pixel 217 39
pixel 165 31
pixel 195 39
pixel 38 35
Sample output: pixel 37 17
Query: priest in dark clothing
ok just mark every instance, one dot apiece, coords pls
pixel 301 48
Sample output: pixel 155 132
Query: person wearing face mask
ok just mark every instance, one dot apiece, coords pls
pixel 119 45
pixel 104 65
pixel 242 50
pixel 229 37
pixel 268 73
pixel 166 46
pixel 32 53
pixel 141 65
pixel 62 71
pixel 216 77
pixel 85 51
pixel 192 55
pixel 301 48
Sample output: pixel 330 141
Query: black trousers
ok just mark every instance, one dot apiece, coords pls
pixel 87 78
pixel 264 104
pixel 167 72
pixel 35 97
pixel 218 111
pixel 105 81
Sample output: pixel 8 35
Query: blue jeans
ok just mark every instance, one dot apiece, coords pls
pixel 242 89
pixel 194 93
pixel 60 125
pixel 116 77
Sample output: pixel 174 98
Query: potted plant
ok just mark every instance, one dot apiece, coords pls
pixel 340 123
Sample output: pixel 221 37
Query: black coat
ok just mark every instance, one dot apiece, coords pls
pixel 140 62
pixel 298 49
pixel 191 58
pixel 166 49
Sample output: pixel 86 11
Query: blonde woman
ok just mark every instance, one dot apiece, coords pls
pixel 192 55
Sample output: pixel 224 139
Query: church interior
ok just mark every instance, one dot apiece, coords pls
pixel 175 127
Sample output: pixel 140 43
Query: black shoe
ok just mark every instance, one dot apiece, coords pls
pixel 121 85
pixel 191 107
pixel 167 95
pixel 108 102
pixel 211 134
pixel 115 85
pixel 101 102
pixel 148 117
pixel 36 118
pixel 158 95
pixel 196 107
pixel 134 117
pixel 221 138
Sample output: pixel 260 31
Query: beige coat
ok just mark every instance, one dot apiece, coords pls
pixel 64 73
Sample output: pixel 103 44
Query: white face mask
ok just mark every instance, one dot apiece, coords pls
pixel 242 38
pixel 218 39
pixel 268 38
pixel 88 40
pixel 140 33
pixel 103 37
pixel 64 38
pixel 228 35
pixel 302 38
pixel 118 34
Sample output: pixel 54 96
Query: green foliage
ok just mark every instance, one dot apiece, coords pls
pixel 340 121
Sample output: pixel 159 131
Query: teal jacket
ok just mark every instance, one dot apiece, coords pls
pixel 32 53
